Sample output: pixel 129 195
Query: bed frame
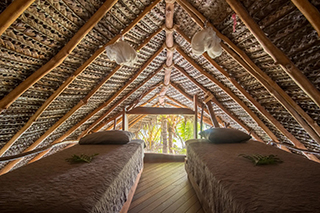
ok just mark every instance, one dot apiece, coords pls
pixel 228 183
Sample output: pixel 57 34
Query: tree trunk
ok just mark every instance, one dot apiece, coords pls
pixel 164 135
pixel 170 138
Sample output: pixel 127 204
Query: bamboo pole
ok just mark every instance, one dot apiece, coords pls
pixel 212 114
pixel 233 117
pixel 12 12
pixel 226 90
pixel 263 111
pixel 58 58
pixel 278 56
pixel 169 44
pixel 310 12
pixel 273 88
pixel 195 128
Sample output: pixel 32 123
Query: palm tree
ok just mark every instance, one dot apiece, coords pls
pixel 150 133
pixel 173 120
pixel 164 135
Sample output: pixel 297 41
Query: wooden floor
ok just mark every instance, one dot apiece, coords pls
pixel 164 187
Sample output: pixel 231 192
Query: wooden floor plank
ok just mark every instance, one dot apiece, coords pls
pixel 178 202
pixel 187 205
pixel 149 179
pixel 156 180
pixel 161 188
pixel 164 189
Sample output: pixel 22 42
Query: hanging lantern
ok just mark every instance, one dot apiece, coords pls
pixel 206 40
pixel 122 53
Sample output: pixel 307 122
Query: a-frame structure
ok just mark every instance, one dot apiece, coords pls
pixel 57 83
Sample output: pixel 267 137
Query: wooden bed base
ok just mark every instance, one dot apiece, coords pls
pixel 196 188
pixel 127 204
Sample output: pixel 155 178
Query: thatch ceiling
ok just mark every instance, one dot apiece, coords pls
pixel 58 84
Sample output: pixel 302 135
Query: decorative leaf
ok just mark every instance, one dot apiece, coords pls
pixel 82 158
pixel 262 159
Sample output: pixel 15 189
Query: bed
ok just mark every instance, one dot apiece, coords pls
pixel 227 182
pixel 54 185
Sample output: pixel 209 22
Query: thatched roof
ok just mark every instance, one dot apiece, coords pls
pixel 58 84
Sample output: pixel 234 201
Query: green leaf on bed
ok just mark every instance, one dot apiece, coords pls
pixel 262 159
pixel 82 158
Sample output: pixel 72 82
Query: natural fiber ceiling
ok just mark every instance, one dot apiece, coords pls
pixel 93 89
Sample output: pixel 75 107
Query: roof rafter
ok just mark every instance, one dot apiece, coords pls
pixel 44 106
pixel 58 58
pixel 263 111
pixel 310 126
pixel 226 90
pixel 206 119
pixel 278 56
pixel 310 12
pixel 96 129
pixel 8 167
pixel 121 100
pixel 12 12
pixel 233 117
pixel 103 123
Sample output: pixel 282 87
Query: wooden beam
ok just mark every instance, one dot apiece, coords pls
pixel 226 90
pixel 12 12
pixel 233 117
pixel 310 126
pixel 278 56
pixel 8 167
pixel 179 105
pixel 195 127
pixel 212 114
pixel 115 105
pixel 58 58
pixel 100 126
pixel 263 111
pixel 273 88
pixel 36 115
pixel 310 12
pixel 161 111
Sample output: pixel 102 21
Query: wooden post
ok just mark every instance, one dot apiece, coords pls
pixel 195 101
pixel 125 125
pixel 12 12
pixel 201 118
pixel 278 56
pixel 212 115
pixel 310 12
pixel 115 124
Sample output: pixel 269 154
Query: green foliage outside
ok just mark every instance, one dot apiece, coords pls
pixel 179 129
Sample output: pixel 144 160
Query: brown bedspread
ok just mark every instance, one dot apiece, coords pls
pixel 54 185
pixel 229 183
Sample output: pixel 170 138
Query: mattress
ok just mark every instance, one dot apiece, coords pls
pixel 54 185
pixel 228 182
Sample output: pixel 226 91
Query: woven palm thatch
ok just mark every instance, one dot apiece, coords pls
pixel 85 91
